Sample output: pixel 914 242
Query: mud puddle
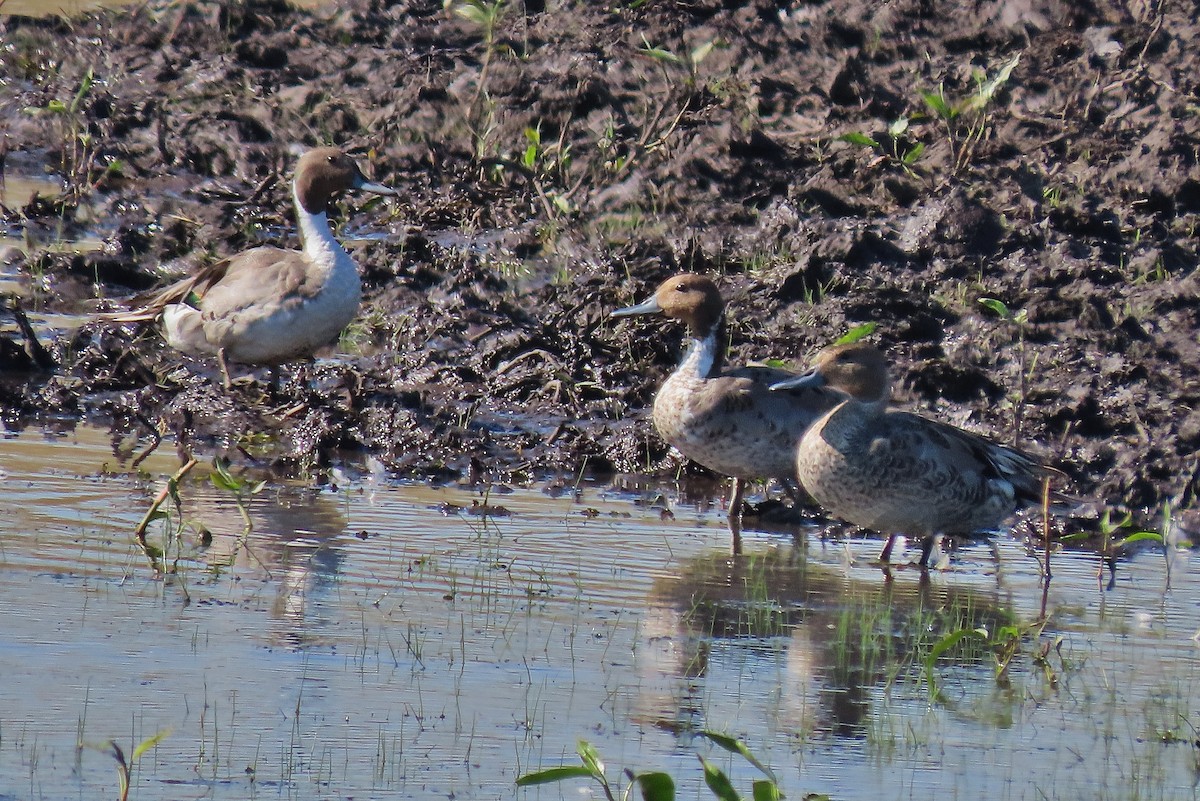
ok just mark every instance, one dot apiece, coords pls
pixel 379 639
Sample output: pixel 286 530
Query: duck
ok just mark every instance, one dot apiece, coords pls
pixel 269 305
pixel 897 472
pixel 726 418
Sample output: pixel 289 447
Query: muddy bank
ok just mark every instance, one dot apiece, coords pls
pixel 837 163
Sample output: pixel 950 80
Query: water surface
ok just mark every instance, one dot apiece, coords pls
pixel 377 639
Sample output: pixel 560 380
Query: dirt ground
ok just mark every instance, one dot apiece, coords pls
pixel 835 163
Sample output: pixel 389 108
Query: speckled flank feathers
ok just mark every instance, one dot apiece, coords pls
pixel 897 472
pixel 726 419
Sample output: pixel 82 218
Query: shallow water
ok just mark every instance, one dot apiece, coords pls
pixel 378 639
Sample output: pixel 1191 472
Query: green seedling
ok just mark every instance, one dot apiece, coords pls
pixel 897 149
pixel 79 148
pixel 1017 320
pixel 861 331
pixel 1004 643
pixel 123 766
pixel 481 111
pixel 964 122
pixel 659 786
pixel 239 487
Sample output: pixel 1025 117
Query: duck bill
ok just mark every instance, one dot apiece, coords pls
pixel 649 307
pixel 371 186
pixel 810 380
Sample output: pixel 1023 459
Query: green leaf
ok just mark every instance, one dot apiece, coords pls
pixel 1141 536
pixel 952 639
pixel 945 644
pixel 656 786
pixel 938 104
pixel 657 53
pixel 700 52
pixel 718 782
pixel 86 86
pixel 859 138
pixel 898 127
pixel 735 746
pixel 222 478
pixel 149 742
pixel 856 333
pixel 997 306
pixel 223 482
pixel 912 154
pixel 591 758
pixel 766 790
pixel 530 157
pixel 1107 526
pixel 987 89
pixel 554 775
pixel 470 12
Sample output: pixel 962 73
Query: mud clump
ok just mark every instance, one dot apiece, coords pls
pixel 836 162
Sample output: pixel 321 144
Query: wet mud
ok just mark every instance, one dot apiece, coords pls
pixel 836 163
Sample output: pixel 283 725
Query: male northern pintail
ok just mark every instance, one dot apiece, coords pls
pixel 896 472
pixel 269 305
pixel 726 419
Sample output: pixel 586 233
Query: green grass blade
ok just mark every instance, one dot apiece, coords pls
pixel 718 782
pixel 591 758
pixel 856 333
pixel 858 138
pixel 736 746
pixel 656 786
pixel 552 775
pixel 766 790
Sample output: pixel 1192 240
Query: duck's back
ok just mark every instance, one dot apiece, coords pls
pixel 273 306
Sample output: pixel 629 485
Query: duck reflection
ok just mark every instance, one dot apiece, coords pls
pixel 806 645
pixel 288 535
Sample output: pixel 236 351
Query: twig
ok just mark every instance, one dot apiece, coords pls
pixel 41 357
pixel 163 494
pixel 1046 526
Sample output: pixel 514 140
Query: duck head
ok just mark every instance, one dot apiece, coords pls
pixel 325 172
pixel 690 298
pixel 857 369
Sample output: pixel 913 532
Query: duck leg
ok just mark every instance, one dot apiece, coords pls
pixel 225 379
pixel 928 543
pixel 735 515
pixel 886 555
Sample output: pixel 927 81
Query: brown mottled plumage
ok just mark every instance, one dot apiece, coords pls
pixel 896 472
pixel 726 419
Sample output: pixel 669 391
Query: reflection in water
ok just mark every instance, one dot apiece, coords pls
pixel 831 643
pixel 292 536
pixel 444 654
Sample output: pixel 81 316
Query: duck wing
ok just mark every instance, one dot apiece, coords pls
pixel 969 454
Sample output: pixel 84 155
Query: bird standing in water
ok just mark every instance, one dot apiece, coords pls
pixel 896 472
pixel 727 419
